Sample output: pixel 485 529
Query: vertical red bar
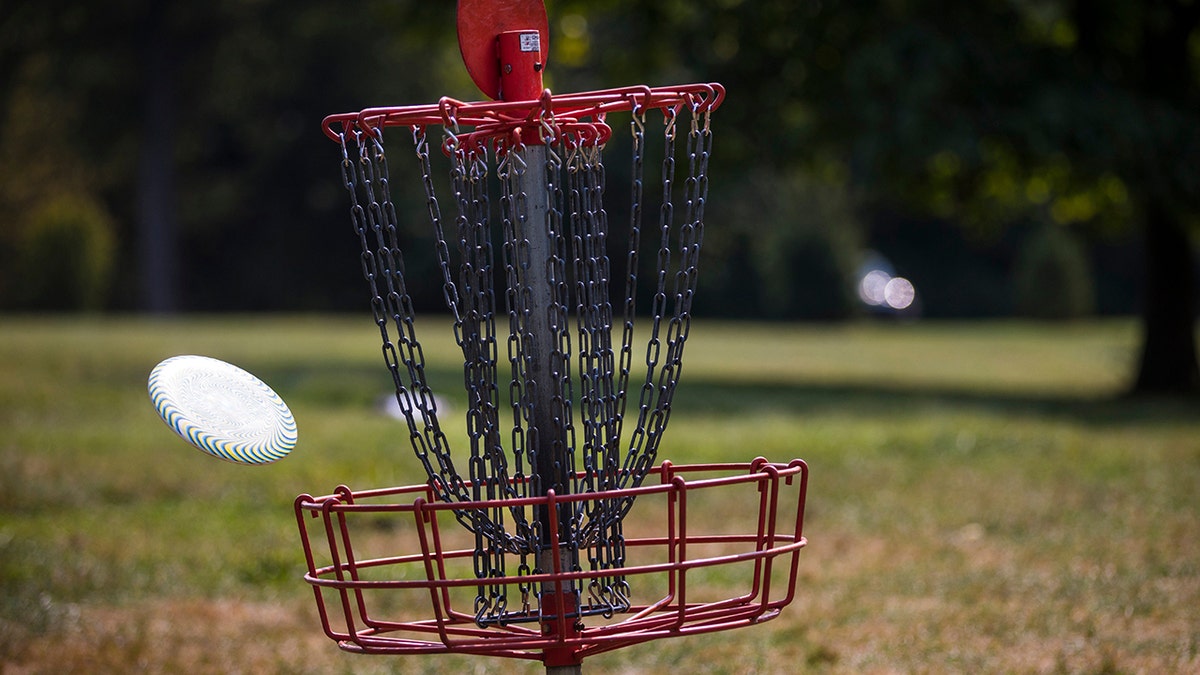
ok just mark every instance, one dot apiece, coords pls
pixel 560 610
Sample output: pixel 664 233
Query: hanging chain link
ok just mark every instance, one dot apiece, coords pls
pixel 565 357
pixel 365 173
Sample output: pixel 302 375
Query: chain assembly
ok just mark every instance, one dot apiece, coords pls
pixel 549 327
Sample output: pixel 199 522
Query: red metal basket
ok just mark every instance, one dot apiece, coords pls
pixel 683 547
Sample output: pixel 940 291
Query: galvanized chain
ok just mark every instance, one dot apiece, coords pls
pixel 655 388
pixel 607 551
pixel 560 466
pixel 515 255
pixel 474 331
pixel 562 448
pixel 637 128
pixel 452 488
pixel 565 450
pixel 554 262
pixel 690 236
pixel 597 526
pixel 366 179
pixel 672 306
pixel 593 310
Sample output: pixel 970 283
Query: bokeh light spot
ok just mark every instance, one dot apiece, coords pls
pixel 899 293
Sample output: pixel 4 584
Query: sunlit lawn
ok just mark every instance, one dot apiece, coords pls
pixel 982 500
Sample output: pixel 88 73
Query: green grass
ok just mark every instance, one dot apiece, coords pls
pixel 982 498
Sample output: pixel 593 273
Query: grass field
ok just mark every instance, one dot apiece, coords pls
pixel 981 499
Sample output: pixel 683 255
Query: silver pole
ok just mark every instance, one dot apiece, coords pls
pixel 544 366
pixel 543 376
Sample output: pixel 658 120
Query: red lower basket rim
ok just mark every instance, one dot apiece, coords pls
pixel 343 587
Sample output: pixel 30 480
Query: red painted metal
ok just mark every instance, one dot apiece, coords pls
pixel 366 594
pixel 499 123
pixel 521 65
pixel 430 598
pixel 481 22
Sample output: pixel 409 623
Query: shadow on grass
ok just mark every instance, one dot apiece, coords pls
pixel 355 385
pixel 700 396
pixel 351 385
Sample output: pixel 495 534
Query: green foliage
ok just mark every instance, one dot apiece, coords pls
pixel 66 257
pixel 1051 276
pixel 58 243
pixel 786 247
pixel 985 114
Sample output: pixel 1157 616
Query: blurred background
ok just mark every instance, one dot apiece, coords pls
pixel 893 158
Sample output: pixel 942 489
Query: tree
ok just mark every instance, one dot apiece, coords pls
pixel 1081 114
pixel 1154 58
pixel 197 127
pixel 158 220
pixel 1069 99
pixel 1074 113
pixel 58 244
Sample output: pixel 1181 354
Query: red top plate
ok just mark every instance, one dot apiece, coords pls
pixel 480 21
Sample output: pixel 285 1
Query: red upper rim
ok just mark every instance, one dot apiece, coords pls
pixel 499 118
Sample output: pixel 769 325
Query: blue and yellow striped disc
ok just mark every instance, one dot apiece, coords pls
pixel 222 409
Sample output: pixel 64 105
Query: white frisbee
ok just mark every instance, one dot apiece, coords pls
pixel 222 409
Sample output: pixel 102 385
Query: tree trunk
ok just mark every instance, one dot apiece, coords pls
pixel 157 221
pixel 1169 363
pixel 1169 308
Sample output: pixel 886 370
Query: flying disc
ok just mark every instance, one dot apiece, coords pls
pixel 222 409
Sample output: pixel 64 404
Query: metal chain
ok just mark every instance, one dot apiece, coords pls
pixel 511 170
pixel 598 526
pixel 644 439
pixel 563 445
pixel 474 331
pixel 365 175
pixel 479 366
pixel 544 342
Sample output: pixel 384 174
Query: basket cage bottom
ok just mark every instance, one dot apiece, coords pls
pixel 705 548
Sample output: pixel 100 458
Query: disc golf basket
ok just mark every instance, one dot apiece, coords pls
pixel 552 535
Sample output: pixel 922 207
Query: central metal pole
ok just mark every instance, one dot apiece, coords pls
pixel 544 358
pixel 521 69
pixel 545 364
